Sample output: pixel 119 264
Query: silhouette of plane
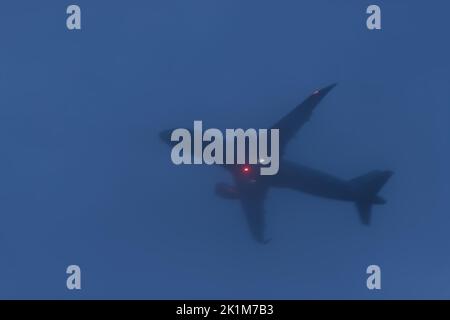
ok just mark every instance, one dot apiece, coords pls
pixel 251 189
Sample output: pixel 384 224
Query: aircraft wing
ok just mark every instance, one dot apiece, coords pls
pixel 291 123
pixel 253 206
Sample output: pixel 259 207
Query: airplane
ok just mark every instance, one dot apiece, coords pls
pixel 251 189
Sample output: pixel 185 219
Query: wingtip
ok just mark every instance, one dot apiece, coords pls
pixel 322 92
pixel 331 86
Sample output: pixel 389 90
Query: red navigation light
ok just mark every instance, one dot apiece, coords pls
pixel 246 169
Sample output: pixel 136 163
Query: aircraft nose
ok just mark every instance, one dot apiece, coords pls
pixel 165 135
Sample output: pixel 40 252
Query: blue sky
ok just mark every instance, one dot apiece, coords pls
pixel 85 179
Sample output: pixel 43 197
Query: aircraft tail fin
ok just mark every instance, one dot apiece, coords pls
pixel 367 186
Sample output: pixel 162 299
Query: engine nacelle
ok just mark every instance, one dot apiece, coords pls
pixel 226 191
